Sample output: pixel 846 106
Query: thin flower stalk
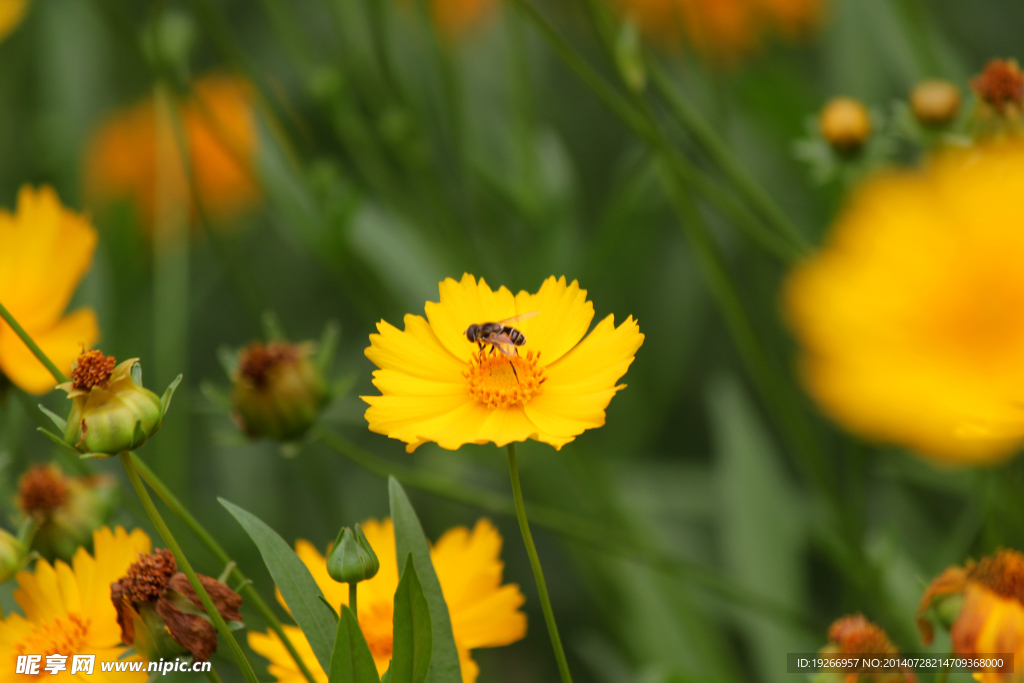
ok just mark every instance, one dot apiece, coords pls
pixel 538 571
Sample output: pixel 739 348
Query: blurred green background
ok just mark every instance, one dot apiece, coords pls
pixel 486 155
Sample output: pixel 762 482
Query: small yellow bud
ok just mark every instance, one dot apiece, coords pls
pixel 278 392
pixel 13 555
pixel 111 411
pixel 935 102
pixel 845 124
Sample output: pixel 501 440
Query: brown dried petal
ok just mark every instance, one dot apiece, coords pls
pixel 124 617
pixel 949 582
pixel 224 599
pixel 191 631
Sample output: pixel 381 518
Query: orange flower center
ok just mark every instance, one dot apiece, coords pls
pixel 42 490
pixel 1002 573
pixel 493 382
pixel 1001 84
pixel 62 636
pixel 148 579
pixel 92 369
pixel 258 361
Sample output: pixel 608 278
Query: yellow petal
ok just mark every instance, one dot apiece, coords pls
pixel 62 343
pixel 416 351
pixel 465 303
pixel 282 666
pixel 11 14
pixel 564 317
pixel 47 250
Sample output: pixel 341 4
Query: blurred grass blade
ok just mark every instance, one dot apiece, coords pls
pixel 409 539
pixel 352 661
pixel 412 631
pixel 296 584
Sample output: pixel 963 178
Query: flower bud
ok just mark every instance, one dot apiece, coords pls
pixel 845 124
pixel 352 559
pixel 160 613
pixel 935 102
pixel 13 555
pixel 1000 87
pixel 111 411
pixel 278 391
pixel 64 510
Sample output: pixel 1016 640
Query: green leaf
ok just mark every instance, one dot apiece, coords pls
pixel 229 360
pixel 272 329
pixel 165 401
pixel 296 584
pixel 409 538
pixel 215 395
pixel 412 639
pixel 352 661
pixel 61 423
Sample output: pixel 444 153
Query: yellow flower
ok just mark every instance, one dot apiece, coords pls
pixel 484 612
pixel 723 29
pixel 219 125
pixel 437 386
pixel 45 250
pixel 911 318
pixel 68 608
pixel 11 14
pixel 990 618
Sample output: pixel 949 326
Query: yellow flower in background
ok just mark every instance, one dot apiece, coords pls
pixel 484 612
pixel 723 29
pixel 456 17
pixel 219 125
pixel 11 14
pixel 68 609
pixel 911 318
pixel 45 250
pixel 982 604
pixel 438 386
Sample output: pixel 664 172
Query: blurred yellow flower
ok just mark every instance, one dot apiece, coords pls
pixel 911 318
pixel 437 386
pixel 11 14
pixel 219 125
pixel 45 250
pixel 68 608
pixel 484 612
pixel 987 614
pixel 723 29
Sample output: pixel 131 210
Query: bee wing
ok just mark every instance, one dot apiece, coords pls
pixel 518 318
pixel 503 344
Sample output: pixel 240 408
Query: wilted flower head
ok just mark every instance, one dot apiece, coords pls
pixel 160 612
pixel 982 605
pixel 722 29
pixel 484 612
pixel 111 411
pixel 45 250
pixel 64 511
pixel 278 391
pixel 855 635
pixel 221 136
pixel 911 318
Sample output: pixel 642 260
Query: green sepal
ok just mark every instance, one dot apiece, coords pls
pixel 343 384
pixel 95 456
pixel 409 538
pixel 165 400
pixel 57 440
pixel 413 638
pixel 352 661
pixel 61 423
pixel 229 360
pixel 139 435
pixel 272 328
pixel 298 588
pixel 215 395
pixel 327 346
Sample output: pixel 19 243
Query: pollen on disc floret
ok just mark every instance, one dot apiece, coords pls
pixel 92 369
pixel 493 383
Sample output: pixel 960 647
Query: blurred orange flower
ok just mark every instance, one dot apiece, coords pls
pixel 911 318
pixel 45 250
pixel 219 125
pixel 455 17
pixel 722 29
pixel 990 618
pixel 11 14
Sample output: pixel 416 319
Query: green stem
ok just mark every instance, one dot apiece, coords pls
pixel 575 528
pixel 538 572
pixel 183 564
pixel 352 605
pixel 246 590
pixel 32 346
